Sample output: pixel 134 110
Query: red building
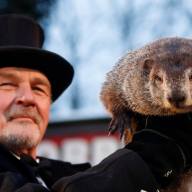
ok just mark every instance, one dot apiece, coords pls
pixel 79 141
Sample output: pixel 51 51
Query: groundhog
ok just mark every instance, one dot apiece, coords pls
pixel 153 80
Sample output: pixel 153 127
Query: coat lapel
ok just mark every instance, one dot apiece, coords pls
pixel 8 162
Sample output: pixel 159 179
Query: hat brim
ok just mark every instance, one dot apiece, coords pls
pixel 58 71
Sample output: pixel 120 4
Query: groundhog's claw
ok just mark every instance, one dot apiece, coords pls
pixel 120 122
pixel 113 126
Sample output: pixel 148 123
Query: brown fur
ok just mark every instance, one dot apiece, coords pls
pixel 153 80
pixel 128 84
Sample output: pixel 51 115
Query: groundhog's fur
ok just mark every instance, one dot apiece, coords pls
pixel 153 80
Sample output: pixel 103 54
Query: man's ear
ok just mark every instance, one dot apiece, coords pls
pixel 147 65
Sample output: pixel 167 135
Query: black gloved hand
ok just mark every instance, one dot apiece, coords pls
pixel 165 144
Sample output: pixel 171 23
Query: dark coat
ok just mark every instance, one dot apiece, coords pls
pixel 17 174
pixel 123 171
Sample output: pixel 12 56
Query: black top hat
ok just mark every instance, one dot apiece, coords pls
pixel 21 40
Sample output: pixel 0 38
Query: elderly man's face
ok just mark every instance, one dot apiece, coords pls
pixel 25 97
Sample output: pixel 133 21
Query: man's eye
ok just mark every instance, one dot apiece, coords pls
pixel 7 84
pixel 40 90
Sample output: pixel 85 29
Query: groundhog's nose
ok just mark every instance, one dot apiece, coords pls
pixel 176 100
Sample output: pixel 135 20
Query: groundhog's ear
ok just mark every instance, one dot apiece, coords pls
pixel 147 65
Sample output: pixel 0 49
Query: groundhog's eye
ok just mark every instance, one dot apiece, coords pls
pixel 158 79
pixel 190 77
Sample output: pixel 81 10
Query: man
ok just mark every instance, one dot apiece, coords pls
pixel 27 79
pixel 30 80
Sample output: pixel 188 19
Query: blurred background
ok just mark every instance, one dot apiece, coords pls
pixel 92 36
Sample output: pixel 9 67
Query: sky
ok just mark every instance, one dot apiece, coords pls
pixel 94 35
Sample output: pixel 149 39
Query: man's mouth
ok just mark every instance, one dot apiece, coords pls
pixel 22 118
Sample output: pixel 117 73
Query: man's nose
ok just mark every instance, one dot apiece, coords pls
pixel 25 95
